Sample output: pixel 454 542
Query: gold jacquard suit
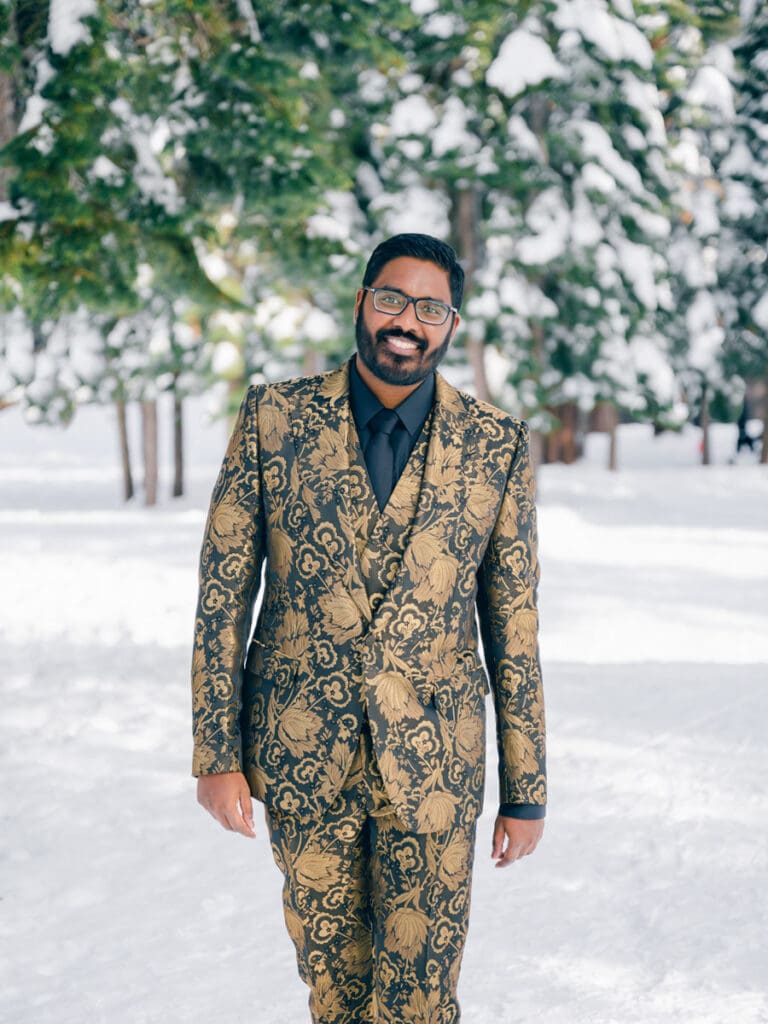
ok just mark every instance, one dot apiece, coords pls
pixel 323 654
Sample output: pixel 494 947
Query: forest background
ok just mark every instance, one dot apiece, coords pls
pixel 189 191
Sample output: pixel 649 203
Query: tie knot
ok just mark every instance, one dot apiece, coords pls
pixel 384 422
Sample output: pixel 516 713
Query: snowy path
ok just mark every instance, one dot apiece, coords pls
pixel 123 903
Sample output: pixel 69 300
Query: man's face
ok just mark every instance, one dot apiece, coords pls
pixel 399 348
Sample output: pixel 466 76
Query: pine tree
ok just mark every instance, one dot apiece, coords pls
pixel 744 266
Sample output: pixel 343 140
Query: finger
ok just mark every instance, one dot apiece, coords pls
pixel 246 807
pixel 498 841
pixel 237 824
pixel 511 854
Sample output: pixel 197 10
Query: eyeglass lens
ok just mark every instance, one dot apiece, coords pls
pixel 428 311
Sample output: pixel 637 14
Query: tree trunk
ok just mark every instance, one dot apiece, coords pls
pixel 537 449
pixel 613 460
pixel 178 446
pixel 7 120
pixel 704 421
pixel 149 439
pixel 125 452
pixel 466 217
pixel 561 443
pixel 312 361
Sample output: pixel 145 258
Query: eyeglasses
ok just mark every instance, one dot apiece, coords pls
pixel 393 302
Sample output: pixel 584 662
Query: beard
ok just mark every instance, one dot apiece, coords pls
pixel 393 367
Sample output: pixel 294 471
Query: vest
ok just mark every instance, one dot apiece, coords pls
pixel 381 537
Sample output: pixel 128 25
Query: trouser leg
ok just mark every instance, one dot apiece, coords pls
pixel 327 906
pixel 378 915
pixel 420 895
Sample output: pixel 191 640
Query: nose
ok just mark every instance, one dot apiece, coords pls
pixel 408 320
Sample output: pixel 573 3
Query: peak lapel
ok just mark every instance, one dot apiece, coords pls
pixel 320 427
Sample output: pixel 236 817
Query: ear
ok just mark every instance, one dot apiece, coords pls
pixel 358 303
pixel 456 322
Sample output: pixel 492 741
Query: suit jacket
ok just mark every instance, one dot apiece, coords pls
pixel 322 655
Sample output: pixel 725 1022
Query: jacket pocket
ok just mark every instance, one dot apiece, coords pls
pixel 269 665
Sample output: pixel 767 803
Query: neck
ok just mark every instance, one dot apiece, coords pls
pixel 390 395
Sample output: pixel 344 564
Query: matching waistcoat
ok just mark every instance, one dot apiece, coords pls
pixel 381 537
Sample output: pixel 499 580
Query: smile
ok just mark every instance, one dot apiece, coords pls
pixel 402 345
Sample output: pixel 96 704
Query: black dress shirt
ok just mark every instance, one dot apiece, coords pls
pixel 413 412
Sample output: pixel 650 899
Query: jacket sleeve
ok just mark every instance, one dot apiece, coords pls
pixel 507 589
pixel 229 576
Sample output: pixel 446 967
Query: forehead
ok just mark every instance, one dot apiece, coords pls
pixel 415 277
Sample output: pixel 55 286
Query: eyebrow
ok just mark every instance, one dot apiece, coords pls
pixel 429 298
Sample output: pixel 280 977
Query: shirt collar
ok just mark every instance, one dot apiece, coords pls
pixel 412 411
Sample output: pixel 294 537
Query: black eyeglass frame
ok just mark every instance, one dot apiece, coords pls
pixel 410 299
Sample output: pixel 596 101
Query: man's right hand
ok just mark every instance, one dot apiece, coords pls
pixel 227 797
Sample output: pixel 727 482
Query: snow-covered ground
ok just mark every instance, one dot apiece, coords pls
pixel 124 903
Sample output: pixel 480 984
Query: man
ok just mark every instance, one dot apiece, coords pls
pixel 388 507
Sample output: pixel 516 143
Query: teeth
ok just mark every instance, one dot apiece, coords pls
pixel 402 344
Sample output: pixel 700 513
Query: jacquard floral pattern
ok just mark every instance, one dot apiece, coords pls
pixel 378 916
pixel 368 611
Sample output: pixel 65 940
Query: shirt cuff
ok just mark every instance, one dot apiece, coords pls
pixel 526 812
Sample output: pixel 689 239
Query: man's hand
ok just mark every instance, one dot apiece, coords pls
pixel 522 838
pixel 221 795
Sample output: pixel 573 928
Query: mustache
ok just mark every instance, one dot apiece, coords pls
pixel 397 332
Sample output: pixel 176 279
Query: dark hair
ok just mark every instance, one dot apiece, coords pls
pixel 418 247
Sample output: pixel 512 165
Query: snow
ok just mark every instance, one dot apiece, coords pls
pixel 747 10
pixel 706 336
pixel 227 359
pixel 412 116
pixel 65 27
pixel 414 208
pixel 342 222
pixel 618 40
pixel 524 60
pixel 451 133
pixel 549 220
pixel 33 113
pixel 371 86
pixel 711 88
pixel 246 12
pixel 523 138
pixel 35 105
pixel 760 312
pixel 106 169
pixel 648 358
pixel 525 298
pixel 637 265
pixel 596 145
pixel 644 97
pixel 123 901
pixel 443 26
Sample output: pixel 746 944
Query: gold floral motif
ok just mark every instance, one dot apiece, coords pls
pixel 317 870
pixel 369 609
pixel 406 932
pixel 436 811
pixel 298 728
pixel 228 525
pixel 396 696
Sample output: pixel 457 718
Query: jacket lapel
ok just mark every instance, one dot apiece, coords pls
pixel 320 424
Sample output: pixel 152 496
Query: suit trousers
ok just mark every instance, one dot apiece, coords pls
pixel 378 914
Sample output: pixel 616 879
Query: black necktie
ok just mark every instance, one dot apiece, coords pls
pixel 379 454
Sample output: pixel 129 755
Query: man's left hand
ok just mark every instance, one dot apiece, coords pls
pixel 522 837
